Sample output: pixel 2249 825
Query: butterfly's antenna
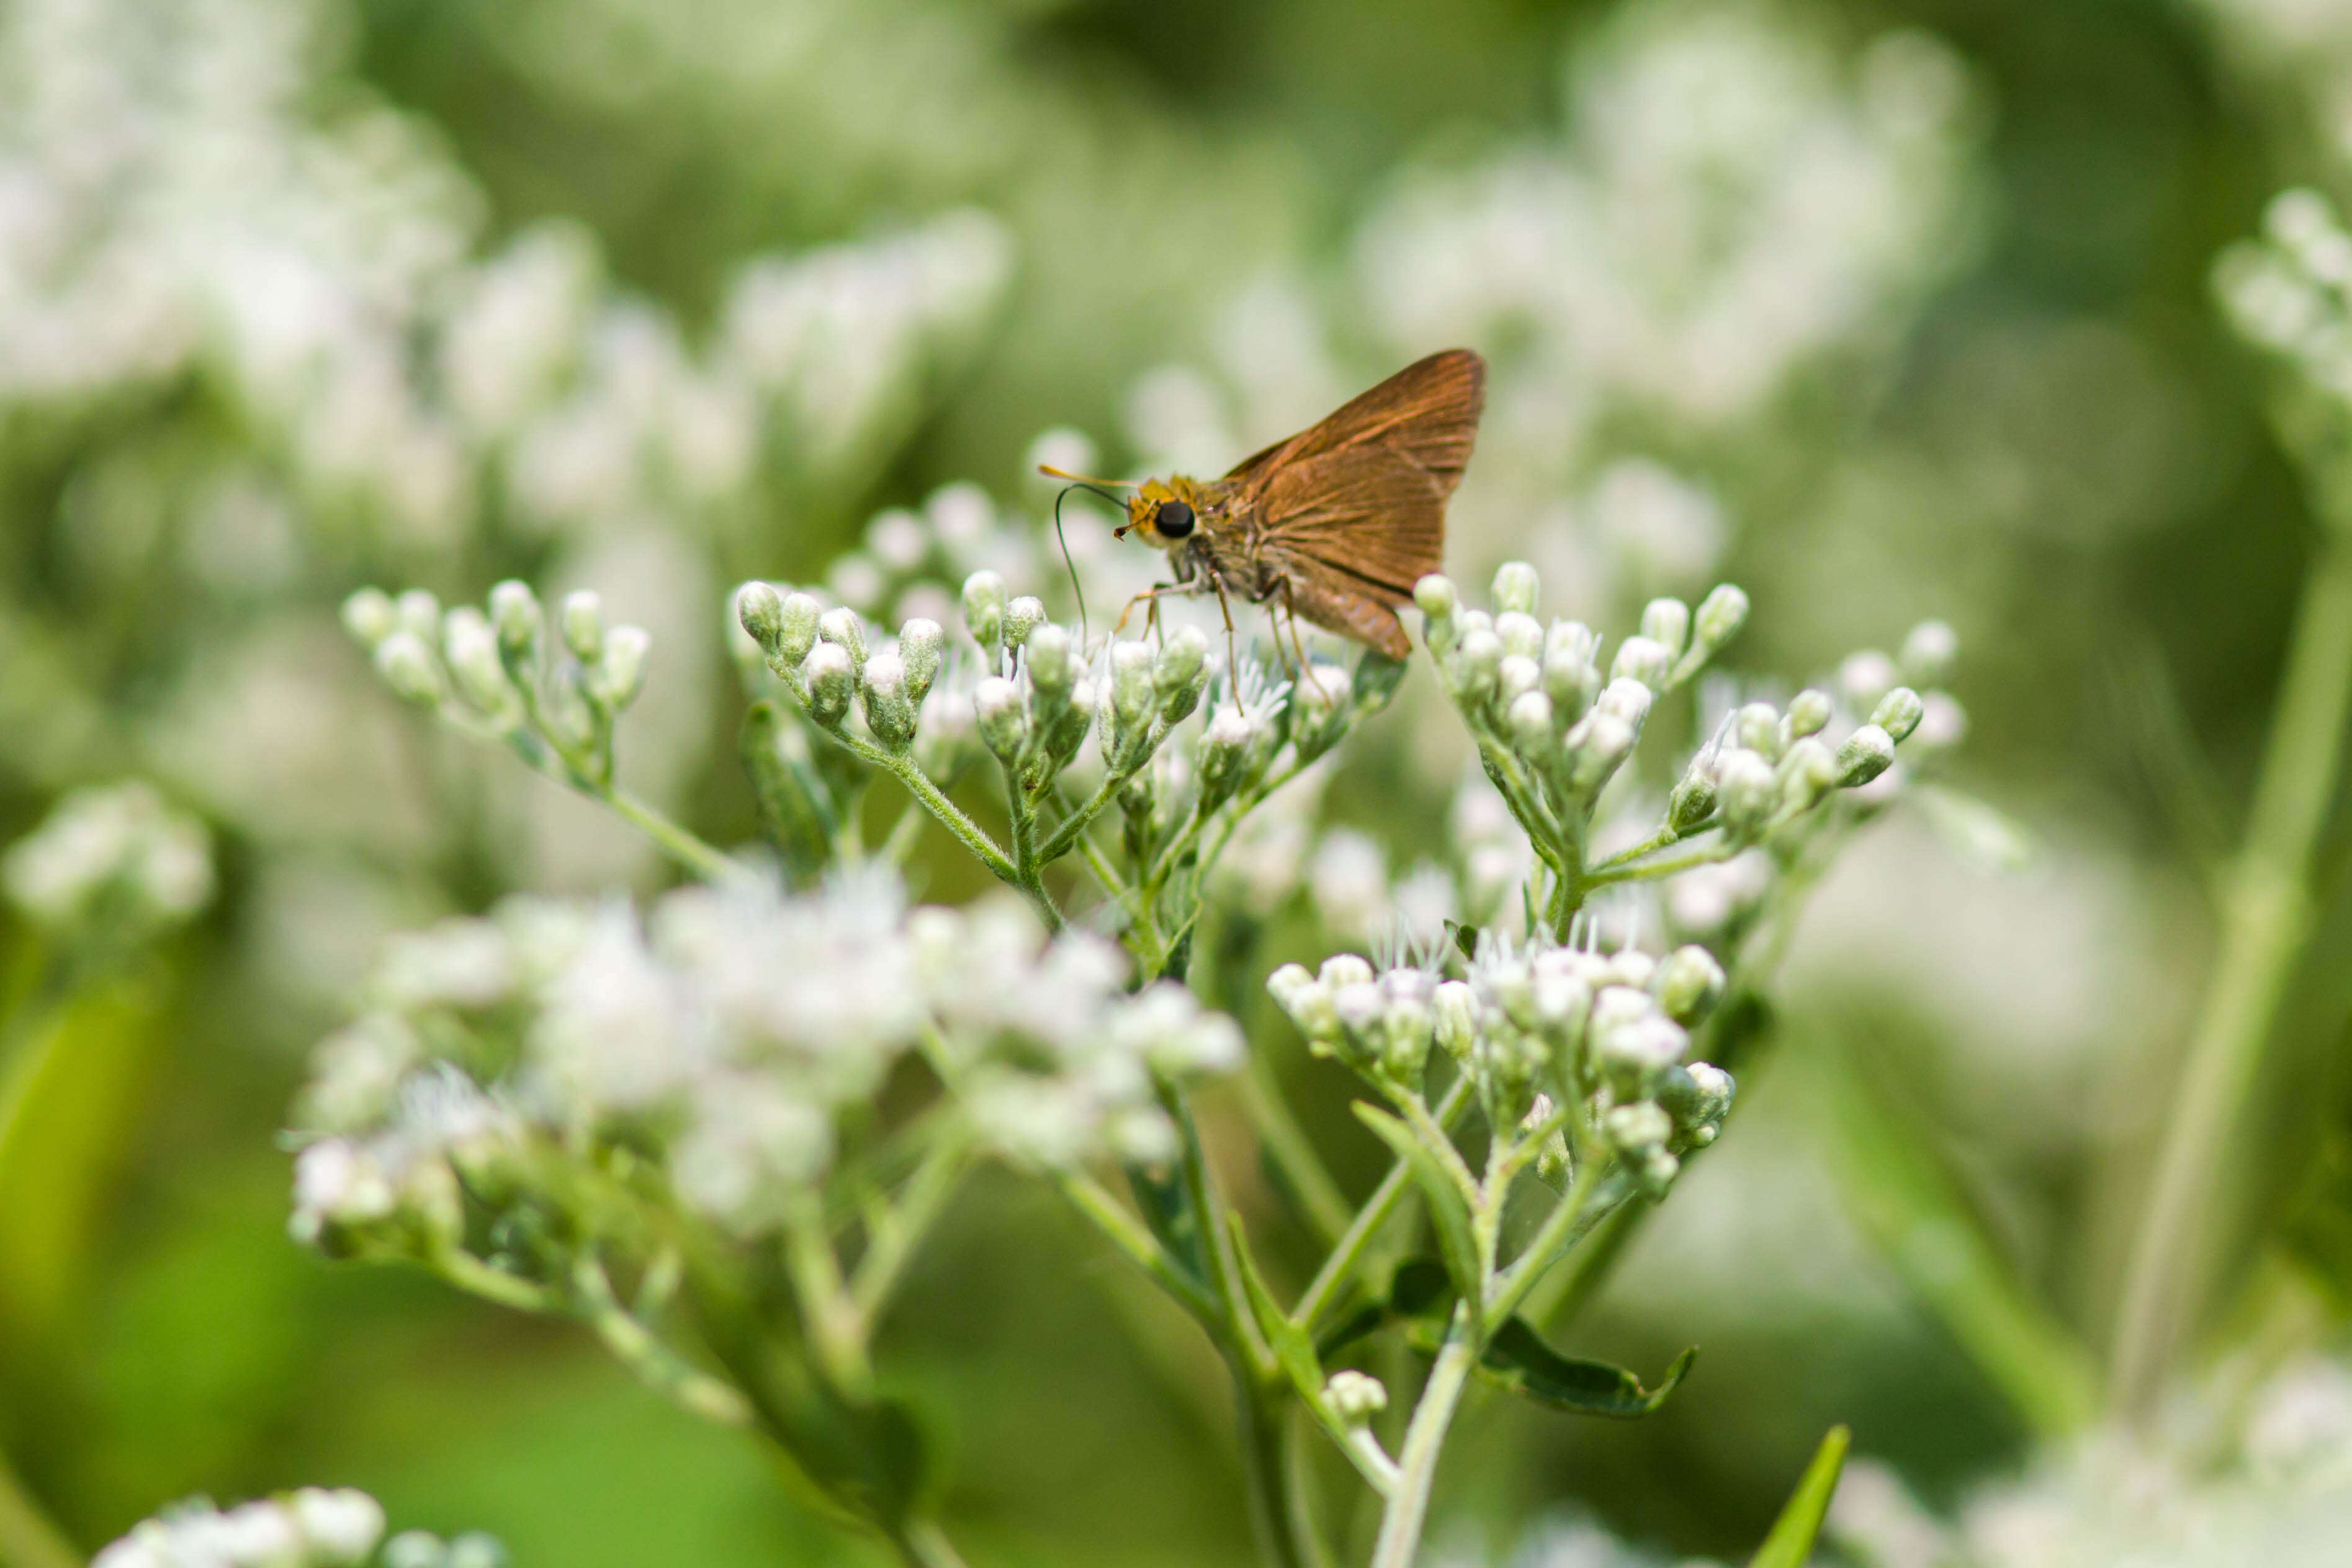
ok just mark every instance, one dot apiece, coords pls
pixel 1099 486
pixel 1075 587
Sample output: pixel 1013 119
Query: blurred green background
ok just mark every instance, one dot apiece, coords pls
pixel 2006 399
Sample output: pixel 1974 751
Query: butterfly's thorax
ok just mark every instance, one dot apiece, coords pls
pixel 1336 524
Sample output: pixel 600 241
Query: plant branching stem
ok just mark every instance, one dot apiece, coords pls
pixel 1324 1293
pixel 1424 1438
pixel 2266 919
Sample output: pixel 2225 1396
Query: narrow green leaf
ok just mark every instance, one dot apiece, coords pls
pixel 1161 1200
pixel 1294 1347
pixel 1913 1207
pixel 1420 1288
pixel 1465 939
pixel 1517 1358
pixel 1448 1210
pixel 1421 1297
pixel 1790 1544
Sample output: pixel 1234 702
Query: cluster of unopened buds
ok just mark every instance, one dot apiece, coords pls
pixel 1532 1028
pixel 1554 729
pixel 500 675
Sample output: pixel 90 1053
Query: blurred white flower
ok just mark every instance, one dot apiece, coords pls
pixel 115 853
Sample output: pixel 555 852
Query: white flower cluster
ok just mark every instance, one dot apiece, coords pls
pixel 171 199
pixel 2231 1479
pixel 115 853
pixel 313 1527
pixel 1534 1027
pixel 2291 291
pixel 1055 1059
pixel 1728 200
pixel 730 1030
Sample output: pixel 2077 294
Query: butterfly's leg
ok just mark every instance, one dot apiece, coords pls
pixel 1232 660
pixel 1149 595
pixel 1290 612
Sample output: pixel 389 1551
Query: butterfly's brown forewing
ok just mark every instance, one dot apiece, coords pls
pixel 1352 513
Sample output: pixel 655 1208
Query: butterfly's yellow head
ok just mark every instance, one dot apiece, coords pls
pixel 1163 512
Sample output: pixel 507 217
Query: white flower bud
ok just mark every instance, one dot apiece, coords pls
pixel 1453 1008
pixel 1757 728
pixel 1688 984
pixel 1667 623
pixel 841 627
pixel 760 610
pixel 983 608
pixel 584 625
pixel 370 617
pixel 1808 772
pixel 1865 677
pixel 341 1526
pixel 1867 753
pixel 890 710
pixel 1746 791
pixel 1643 660
pixel 797 635
pixel 1522 635
pixel 1515 586
pixel 514 611
pixel 1637 1046
pixel 1929 652
pixel 1223 752
pixel 1695 796
pixel 919 642
pixel 1898 713
pixel 1476 665
pixel 1049 661
pixel 470 648
pixel 1131 681
pixel 1022 617
pixel 1181 672
pixel 1626 700
pixel 1530 721
pixel 620 674
pixel 1003 716
pixel 1285 982
pixel 1638 1127
pixel 1355 1397
pixel 832 680
pixel 1720 616
pixel 1343 969
pixel 1437 596
pixel 1809 712
pixel 407 666
pixel 1515 676
pixel 1597 746
pixel 419 615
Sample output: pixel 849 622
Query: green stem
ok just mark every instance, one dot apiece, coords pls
pixel 1611 871
pixel 925 1545
pixel 1324 1293
pixel 906 1223
pixel 470 1274
pixel 711 864
pixel 1570 1220
pixel 1264 1473
pixel 1130 1236
pixel 2266 919
pixel 1424 1439
pixel 658 1365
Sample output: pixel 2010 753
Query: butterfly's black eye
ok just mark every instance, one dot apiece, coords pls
pixel 1174 519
